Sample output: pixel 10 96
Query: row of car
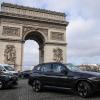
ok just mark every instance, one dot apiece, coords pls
pixel 9 77
pixel 56 75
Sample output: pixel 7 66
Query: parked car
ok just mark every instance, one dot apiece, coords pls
pixel 65 76
pixel 7 80
pixel 25 74
pixel 8 69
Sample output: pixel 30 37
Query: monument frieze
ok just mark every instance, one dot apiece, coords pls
pixel 33 23
pixel 19 16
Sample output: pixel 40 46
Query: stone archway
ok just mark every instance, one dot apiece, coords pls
pixel 19 23
pixel 40 39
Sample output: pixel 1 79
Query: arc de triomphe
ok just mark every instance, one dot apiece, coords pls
pixel 19 23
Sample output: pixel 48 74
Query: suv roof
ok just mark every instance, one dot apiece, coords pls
pixel 51 63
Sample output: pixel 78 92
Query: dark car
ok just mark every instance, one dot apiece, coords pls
pixel 7 80
pixel 25 74
pixel 65 76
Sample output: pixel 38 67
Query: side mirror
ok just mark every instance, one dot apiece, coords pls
pixel 64 71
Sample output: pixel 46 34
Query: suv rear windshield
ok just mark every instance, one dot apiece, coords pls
pixel 9 68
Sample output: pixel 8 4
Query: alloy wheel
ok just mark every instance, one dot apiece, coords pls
pixel 84 89
pixel 36 85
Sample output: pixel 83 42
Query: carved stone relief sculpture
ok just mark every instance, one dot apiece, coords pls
pixel 57 36
pixel 11 31
pixel 10 54
pixel 58 55
pixel 28 29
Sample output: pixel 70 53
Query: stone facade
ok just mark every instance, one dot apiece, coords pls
pixel 19 23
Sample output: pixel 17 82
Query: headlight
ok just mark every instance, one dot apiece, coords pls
pixel 94 78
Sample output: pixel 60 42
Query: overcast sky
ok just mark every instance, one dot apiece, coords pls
pixel 83 32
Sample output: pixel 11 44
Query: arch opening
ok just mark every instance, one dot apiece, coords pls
pixel 34 41
pixel 36 36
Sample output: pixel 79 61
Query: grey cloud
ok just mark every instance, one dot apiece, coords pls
pixel 84 38
pixel 84 60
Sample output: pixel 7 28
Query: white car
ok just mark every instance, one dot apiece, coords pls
pixel 8 69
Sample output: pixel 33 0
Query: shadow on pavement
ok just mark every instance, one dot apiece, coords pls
pixel 59 91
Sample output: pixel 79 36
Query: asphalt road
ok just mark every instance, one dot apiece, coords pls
pixel 24 92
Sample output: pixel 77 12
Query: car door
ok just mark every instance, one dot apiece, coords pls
pixel 46 74
pixel 59 77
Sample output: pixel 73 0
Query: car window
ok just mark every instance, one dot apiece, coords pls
pixel 46 68
pixel 37 67
pixel 9 68
pixel 57 68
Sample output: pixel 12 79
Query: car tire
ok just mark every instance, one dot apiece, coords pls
pixel 1 85
pixel 37 86
pixel 84 89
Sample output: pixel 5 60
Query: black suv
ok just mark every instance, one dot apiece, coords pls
pixel 64 76
pixel 7 80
